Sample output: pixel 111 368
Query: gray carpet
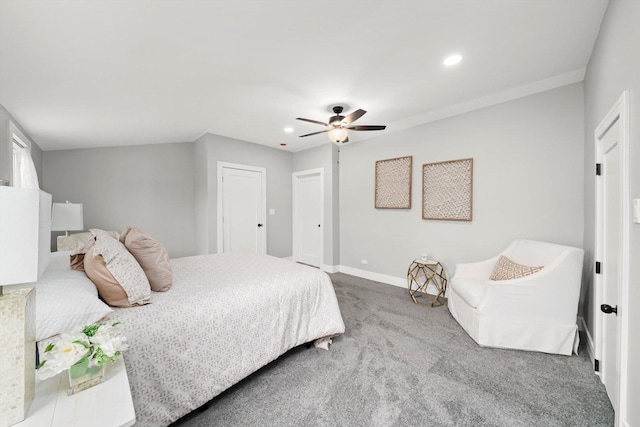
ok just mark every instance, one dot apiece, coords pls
pixel 401 364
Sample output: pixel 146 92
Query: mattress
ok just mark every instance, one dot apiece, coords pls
pixel 226 316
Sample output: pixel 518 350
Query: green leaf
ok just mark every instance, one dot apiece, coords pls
pixel 92 371
pixel 91 330
pixel 41 364
pixel 49 347
pixel 82 343
pixel 116 324
pixel 79 368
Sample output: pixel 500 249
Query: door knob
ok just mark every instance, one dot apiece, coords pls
pixel 259 225
pixel 606 308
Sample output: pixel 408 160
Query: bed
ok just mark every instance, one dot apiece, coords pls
pixel 226 316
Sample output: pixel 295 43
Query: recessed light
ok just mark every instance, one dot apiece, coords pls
pixel 452 60
pixel 288 129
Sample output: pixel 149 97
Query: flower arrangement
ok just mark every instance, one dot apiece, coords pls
pixel 84 351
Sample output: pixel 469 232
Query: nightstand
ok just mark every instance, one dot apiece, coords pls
pixel 105 405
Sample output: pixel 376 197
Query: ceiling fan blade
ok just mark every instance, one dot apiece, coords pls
pixel 315 133
pixel 367 127
pixel 353 117
pixel 312 121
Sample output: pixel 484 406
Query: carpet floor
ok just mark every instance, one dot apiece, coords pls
pixel 402 364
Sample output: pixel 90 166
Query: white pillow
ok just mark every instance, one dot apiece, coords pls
pixel 65 298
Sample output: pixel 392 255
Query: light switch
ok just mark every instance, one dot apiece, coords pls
pixel 636 211
pixel 272 211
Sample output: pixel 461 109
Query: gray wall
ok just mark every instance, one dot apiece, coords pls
pixel 325 157
pixel 209 150
pixel 613 68
pixel 147 186
pixel 527 183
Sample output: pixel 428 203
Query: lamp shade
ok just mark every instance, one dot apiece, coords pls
pixel 25 239
pixel 67 216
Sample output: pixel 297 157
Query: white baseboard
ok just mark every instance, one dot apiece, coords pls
pixel 591 347
pixel 378 277
pixel 288 258
pixel 330 268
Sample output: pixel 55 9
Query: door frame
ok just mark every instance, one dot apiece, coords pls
pixel 296 176
pixel 619 112
pixel 219 207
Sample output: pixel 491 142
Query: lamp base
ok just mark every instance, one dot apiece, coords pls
pixel 67 243
pixel 18 356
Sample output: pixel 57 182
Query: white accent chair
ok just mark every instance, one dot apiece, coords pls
pixel 537 312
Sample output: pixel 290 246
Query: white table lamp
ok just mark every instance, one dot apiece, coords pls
pixel 66 216
pixel 25 240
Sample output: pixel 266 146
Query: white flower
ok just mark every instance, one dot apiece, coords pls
pixel 66 351
pixel 110 339
pixel 104 345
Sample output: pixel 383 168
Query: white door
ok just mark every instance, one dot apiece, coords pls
pixel 242 197
pixel 611 258
pixel 308 206
pixel 612 252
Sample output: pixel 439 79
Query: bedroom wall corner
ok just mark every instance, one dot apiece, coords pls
pixel 325 156
pixel 201 198
pixel 278 166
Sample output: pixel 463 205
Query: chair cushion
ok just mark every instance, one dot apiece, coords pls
pixel 470 290
pixel 505 269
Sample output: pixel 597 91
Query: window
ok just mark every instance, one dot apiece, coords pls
pixel 24 171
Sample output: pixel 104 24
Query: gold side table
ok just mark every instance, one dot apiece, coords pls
pixel 420 275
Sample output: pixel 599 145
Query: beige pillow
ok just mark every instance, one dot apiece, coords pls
pixel 123 235
pixel 120 280
pixel 505 269
pixel 108 287
pixel 77 257
pixel 152 257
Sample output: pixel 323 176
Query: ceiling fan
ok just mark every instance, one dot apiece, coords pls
pixel 339 126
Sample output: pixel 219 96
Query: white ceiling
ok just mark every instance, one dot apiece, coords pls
pixel 108 73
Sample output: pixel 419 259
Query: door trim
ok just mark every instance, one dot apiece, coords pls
pixel 619 112
pixel 295 185
pixel 219 224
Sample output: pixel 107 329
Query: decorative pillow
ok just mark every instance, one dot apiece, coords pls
pixel 95 232
pixel 77 256
pixel 152 257
pixel 123 235
pixel 76 241
pixel 120 280
pixel 505 269
pixel 65 299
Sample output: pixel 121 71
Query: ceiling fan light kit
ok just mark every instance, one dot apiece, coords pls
pixel 339 125
pixel 338 135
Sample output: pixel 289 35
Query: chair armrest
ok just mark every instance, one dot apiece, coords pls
pixel 477 270
pixel 553 292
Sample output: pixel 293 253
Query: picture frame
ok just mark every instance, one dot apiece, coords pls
pixel 447 190
pixel 393 183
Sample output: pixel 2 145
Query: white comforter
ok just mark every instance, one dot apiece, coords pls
pixel 226 316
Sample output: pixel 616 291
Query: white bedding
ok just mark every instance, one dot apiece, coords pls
pixel 226 316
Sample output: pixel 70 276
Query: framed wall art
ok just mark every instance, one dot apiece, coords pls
pixel 393 183
pixel 447 190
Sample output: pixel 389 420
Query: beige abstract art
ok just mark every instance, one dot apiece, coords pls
pixel 393 183
pixel 447 190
